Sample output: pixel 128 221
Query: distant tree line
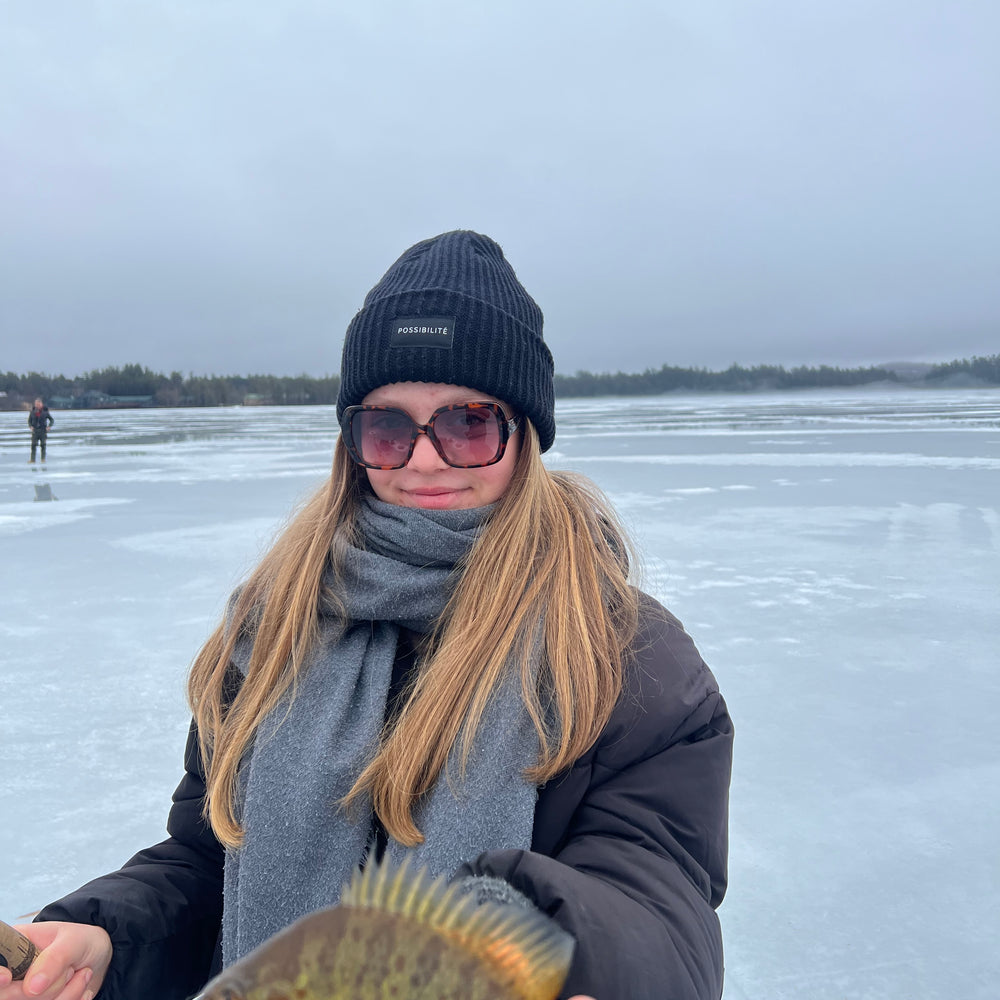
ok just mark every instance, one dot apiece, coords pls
pixel 134 385
pixel 735 378
pixel 986 370
pixel 767 378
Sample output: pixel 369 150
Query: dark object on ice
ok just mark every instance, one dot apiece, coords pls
pixel 39 420
pixel 44 492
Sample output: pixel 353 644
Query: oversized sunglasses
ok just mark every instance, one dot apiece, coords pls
pixel 465 435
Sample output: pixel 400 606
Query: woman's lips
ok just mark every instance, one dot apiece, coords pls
pixel 433 496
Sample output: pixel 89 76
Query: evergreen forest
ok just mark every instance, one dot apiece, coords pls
pixel 136 385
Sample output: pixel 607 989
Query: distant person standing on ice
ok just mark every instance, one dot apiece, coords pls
pixel 442 657
pixel 39 420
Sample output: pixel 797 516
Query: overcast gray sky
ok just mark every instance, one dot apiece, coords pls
pixel 212 186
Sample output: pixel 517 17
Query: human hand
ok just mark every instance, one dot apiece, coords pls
pixel 72 962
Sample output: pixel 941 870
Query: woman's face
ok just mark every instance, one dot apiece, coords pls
pixel 427 481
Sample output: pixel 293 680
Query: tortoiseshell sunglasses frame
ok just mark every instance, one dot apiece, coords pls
pixel 506 425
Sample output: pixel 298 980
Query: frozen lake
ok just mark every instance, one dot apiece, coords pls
pixel 836 557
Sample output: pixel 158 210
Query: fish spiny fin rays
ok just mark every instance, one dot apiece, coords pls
pixel 527 951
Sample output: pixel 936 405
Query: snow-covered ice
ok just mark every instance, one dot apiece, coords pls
pixel 836 556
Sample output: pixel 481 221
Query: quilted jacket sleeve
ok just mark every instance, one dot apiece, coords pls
pixel 635 864
pixel 163 908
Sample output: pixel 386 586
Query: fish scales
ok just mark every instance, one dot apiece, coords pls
pixel 399 935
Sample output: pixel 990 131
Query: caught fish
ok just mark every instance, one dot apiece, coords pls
pixel 401 934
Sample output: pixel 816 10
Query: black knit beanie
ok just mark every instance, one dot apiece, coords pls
pixel 452 310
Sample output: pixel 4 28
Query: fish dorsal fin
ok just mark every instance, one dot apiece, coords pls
pixel 524 949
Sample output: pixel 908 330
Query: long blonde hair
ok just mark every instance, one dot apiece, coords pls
pixel 552 557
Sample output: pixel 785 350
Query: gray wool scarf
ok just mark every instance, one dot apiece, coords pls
pixel 300 845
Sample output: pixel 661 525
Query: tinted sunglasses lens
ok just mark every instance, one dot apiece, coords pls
pixel 381 437
pixel 469 435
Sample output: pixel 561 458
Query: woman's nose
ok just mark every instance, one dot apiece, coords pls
pixel 425 457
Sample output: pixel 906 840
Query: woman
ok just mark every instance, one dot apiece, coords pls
pixel 440 656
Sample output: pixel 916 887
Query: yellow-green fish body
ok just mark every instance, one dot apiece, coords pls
pixel 401 936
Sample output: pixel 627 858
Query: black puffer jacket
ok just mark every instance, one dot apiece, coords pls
pixel 628 852
pixel 40 420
